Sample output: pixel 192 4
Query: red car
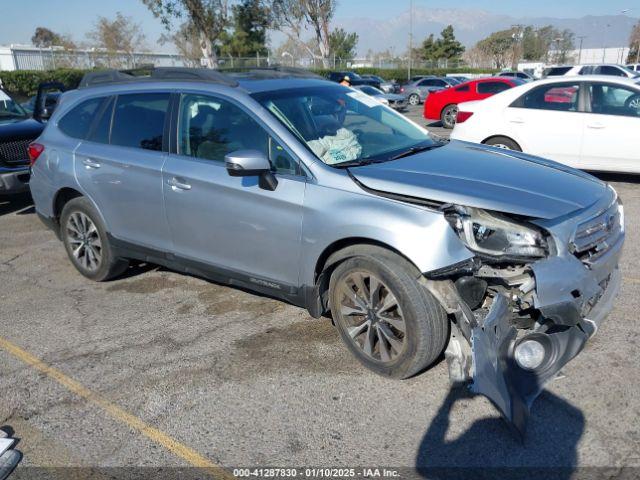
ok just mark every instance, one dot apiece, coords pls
pixel 443 105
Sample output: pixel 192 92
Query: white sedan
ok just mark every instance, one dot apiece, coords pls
pixel 588 122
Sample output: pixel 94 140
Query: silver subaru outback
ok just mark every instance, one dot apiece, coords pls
pixel 295 187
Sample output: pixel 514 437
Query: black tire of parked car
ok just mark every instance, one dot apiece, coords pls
pixel 414 99
pixel 448 116
pixel 503 142
pixel 109 265
pixel 426 323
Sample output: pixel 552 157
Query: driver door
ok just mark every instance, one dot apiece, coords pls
pixel 231 223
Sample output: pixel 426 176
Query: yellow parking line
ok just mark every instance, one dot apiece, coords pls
pixel 631 279
pixel 155 435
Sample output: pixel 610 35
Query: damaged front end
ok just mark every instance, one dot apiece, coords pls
pixel 529 299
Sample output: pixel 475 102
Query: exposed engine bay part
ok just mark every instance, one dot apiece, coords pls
pixel 507 341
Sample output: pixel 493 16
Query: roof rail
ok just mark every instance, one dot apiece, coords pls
pixel 106 77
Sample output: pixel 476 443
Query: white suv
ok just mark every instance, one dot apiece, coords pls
pixel 604 69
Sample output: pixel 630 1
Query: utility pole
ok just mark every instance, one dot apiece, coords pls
pixel 582 37
pixel 410 39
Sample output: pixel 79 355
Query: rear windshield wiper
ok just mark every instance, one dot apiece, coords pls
pixel 416 149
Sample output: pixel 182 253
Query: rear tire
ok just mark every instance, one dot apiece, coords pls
pixel 503 142
pixel 414 99
pixel 392 324
pixel 86 242
pixel 448 116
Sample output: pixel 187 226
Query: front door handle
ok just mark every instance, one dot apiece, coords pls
pixel 90 163
pixel 176 184
pixel 596 125
pixel 517 120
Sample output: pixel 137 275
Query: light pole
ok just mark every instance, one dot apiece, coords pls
pixel 582 37
pixel 410 39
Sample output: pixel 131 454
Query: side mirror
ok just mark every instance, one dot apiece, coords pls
pixel 251 163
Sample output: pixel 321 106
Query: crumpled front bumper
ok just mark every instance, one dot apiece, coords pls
pixel 575 298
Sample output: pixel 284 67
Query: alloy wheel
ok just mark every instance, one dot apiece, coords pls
pixel 450 116
pixel 371 316
pixel 414 99
pixel 84 241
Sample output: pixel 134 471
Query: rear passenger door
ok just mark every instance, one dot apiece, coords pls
pixel 119 165
pixel 229 223
pixel 547 121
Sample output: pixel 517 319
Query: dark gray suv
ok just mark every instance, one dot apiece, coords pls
pixel 305 190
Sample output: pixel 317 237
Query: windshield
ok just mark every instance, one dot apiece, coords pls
pixel 344 126
pixel 10 109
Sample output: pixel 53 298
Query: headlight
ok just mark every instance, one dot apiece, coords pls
pixel 495 235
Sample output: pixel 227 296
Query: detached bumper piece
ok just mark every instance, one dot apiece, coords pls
pixel 511 366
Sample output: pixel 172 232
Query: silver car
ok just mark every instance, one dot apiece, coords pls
pixel 314 193
pixel 417 91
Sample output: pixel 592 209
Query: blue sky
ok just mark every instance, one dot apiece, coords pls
pixel 19 18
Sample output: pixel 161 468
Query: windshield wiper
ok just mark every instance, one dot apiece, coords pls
pixel 416 149
pixel 354 163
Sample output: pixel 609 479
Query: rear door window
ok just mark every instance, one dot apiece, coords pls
pixel 609 70
pixel 138 120
pixel 614 100
pixel 77 121
pixel 559 97
pixel 493 87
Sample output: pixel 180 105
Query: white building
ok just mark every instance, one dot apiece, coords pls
pixel 26 57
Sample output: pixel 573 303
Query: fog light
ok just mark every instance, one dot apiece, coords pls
pixel 530 354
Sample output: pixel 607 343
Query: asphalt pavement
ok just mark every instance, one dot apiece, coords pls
pixel 160 369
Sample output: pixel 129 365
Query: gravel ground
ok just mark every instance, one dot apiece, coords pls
pixel 245 380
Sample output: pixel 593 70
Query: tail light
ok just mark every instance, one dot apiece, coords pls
pixel 401 89
pixel 463 116
pixel 34 151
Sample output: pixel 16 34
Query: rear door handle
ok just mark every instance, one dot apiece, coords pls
pixel 176 184
pixel 596 125
pixel 90 163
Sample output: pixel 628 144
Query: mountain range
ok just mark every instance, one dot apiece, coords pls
pixel 473 25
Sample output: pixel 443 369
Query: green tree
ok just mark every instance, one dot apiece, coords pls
pixel 208 18
pixel 563 44
pixel 295 17
pixel 450 48
pixel 498 46
pixel 120 34
pixel 45 38
pixel 445 47
pixel 429 50
pixel 251 18
pixel 342 45
pixel 634 45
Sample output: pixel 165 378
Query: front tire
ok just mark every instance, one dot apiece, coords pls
pixel 86 242
pixel 503 142
pixel 392 324
pixel 449 115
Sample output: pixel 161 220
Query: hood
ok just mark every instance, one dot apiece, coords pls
pixel 486 177
pixel 20 129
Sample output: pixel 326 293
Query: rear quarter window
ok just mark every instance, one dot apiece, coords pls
pixel 77 121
